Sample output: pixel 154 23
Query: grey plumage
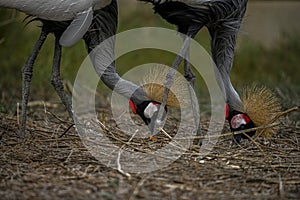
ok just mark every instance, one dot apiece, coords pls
pixel 103 28
pixel 223 19
pixel 223 27
pixel 78 27
pixel 79 11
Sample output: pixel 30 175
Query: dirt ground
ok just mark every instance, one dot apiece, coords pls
pixel 52 163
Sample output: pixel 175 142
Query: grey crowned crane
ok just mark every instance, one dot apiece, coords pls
pixel 223 19
pixel 69 21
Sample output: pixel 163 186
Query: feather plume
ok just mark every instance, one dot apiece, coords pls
pixel 261 105
pixel 153 85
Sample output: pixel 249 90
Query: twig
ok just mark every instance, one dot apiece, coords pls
pixel 277 117
pixel 180 147
pixel 66 130
pixel 42 103
pixel 59 119
pixel 281 187
pixel 256 144
pixel 229 133
pixel 70 154
pixel 119 155
pixel 120 170
pixel 284 113
pixel 121 141
pixel 269 125
pixel 164 132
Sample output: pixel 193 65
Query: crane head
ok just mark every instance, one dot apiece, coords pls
pixel 147 110
pixel 239 121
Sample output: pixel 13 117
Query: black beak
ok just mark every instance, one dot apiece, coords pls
pixel 155 124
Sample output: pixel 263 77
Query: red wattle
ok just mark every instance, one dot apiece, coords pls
pixel 226 111
pixel 246 118
pixel 155 103
pixel 132 106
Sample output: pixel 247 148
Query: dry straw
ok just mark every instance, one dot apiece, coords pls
pixel 262 106
pixel 153 85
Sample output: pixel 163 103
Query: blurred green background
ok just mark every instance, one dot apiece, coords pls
pixel 268 51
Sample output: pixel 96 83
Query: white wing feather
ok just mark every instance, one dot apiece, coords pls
pixel 77 28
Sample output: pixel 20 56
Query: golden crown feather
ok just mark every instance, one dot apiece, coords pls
pixel 153 85
pixel 259 102
pixel 262 106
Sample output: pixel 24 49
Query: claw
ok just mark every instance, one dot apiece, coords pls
pixel 153 138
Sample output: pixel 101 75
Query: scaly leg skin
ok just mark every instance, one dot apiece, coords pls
pixel 188 72
pixel 56 79
pixel 155 125
pixel 190 77
pixel 26 79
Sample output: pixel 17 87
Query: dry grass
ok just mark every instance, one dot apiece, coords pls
pixel 48 166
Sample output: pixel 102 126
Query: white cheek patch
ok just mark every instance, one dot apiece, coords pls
pixel 237 121
pixel 150 110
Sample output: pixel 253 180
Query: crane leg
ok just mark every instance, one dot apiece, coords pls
pixel 155 127
pixel 56 79
pixel 191 78
pixel 27 72
pixel 188 72
pixel 155 124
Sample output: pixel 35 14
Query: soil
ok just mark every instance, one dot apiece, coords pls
pixel 52 163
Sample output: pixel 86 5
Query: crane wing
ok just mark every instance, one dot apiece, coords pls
pixel 77 28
